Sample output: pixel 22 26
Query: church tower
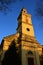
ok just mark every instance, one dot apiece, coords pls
pixel 25 24
pixel 27 39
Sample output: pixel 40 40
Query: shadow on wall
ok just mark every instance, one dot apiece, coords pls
pixel 11 56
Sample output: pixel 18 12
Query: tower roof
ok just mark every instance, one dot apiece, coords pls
pixel 24 10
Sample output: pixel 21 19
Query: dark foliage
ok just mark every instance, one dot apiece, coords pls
pixel 41 59
pixel 39 7
pixel 4 4
pixel 11 56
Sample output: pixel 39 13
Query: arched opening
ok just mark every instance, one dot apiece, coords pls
pixel 30 53
pixel 30 58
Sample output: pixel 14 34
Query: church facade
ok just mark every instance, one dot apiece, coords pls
pixel 26 49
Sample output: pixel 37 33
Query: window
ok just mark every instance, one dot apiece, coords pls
pixel 28 29
pixel 30 61
pixel 30 58
pixel 30 53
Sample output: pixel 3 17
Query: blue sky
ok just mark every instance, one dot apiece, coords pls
pixel 8 23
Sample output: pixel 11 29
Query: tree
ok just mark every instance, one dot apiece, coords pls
pixel 11 56
pixel 39 8
pixel 4 4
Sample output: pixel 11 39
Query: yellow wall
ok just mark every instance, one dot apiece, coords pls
pixel 24 29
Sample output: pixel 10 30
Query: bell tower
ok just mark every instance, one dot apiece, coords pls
pixel 27 41
pixel 25 24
